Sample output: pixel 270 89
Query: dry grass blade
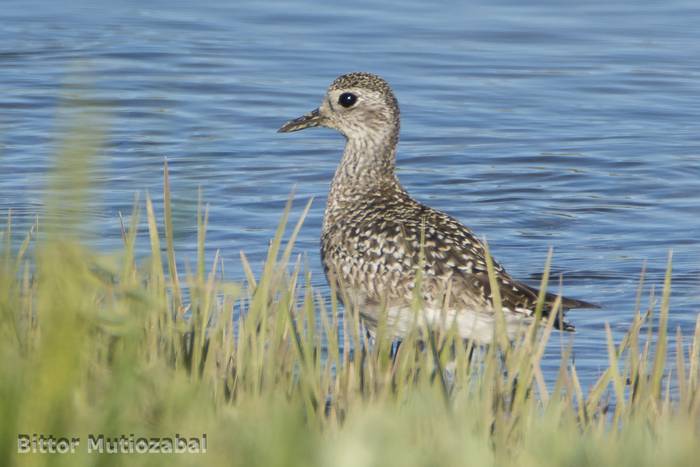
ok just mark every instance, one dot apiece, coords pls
pixel 170 243
pixel 661 344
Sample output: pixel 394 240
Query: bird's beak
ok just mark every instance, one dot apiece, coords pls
pixel 309 120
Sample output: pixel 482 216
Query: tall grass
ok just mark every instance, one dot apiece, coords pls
pixel 96 343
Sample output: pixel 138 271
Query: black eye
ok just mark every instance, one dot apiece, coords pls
pixel 347 99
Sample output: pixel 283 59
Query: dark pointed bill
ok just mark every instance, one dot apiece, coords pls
pixel 309 120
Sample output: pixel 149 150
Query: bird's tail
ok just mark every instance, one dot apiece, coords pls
pixel 566 303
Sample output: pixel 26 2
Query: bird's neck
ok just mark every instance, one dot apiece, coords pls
pixel 367 168
pixel 367 160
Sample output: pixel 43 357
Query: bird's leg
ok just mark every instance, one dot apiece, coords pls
pixel 394 352
pixel 368 336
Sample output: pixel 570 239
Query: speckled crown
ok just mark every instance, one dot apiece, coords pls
pixel 365 80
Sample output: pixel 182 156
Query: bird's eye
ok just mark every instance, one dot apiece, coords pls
pixel 347 99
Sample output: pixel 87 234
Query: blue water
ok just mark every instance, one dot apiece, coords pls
pixel 538 124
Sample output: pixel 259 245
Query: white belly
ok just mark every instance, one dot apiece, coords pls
pixel 477 326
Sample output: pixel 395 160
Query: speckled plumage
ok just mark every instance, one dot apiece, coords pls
pixel 373 230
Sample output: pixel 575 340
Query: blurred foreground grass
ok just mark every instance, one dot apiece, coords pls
pixel 106 344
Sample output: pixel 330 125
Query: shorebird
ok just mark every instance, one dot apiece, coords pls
pixel 376 237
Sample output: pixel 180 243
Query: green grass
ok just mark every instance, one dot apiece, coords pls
pixel 103 343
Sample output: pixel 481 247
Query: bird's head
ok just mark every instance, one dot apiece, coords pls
pixel 358 105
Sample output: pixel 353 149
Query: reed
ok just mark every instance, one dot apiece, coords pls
pixel 114 344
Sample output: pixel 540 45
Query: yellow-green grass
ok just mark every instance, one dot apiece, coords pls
pixel 95 343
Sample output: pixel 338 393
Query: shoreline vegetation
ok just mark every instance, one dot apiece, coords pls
pixel 108 345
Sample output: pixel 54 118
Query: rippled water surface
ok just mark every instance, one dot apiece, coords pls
pixel 539 125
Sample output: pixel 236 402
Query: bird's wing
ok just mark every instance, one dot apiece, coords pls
pixel 451 248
